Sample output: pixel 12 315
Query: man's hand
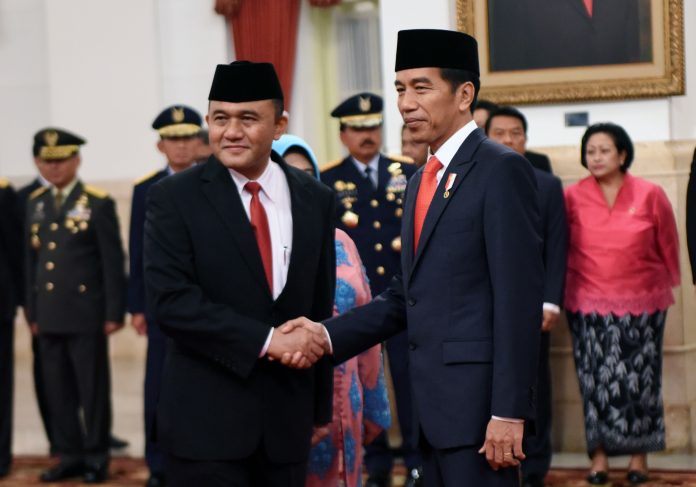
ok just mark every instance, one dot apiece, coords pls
pixel 319 433
pixel 298 343
pixel 550 320
pixel 111 326
pixel 139 323
pixel 503 445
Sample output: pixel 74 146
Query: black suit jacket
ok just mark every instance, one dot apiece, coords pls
pixel 554 234
pixel 539 161
pixel 691 217
pixel 75 265
pixel 470 298
pixel 10 252
pixel 534 34
pixel 207 290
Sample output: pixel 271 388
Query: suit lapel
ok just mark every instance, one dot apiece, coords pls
pixel 70 200
pixel 407 223
pixel 579 5
pixel 300 199
pixel 460 165
pixel 222 193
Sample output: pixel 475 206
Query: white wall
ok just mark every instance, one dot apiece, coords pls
pixel 645 120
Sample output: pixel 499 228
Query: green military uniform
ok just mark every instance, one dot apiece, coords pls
pixel 75 282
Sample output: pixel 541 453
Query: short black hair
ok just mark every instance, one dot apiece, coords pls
pixel 457 77
pixel 621 140
pixel 279 106
pixel 506 111
pixel 486 105
pixel 204 135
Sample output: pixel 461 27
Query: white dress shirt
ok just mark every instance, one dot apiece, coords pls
pixel 275 198
pixel 373 165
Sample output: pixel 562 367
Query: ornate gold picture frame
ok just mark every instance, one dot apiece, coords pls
pixel 660 73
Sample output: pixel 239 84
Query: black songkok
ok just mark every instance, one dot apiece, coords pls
pixel 433 48
pixel 243 81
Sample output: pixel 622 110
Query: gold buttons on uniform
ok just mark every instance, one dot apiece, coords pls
pixel 53 227
pixel 380 270
pixel 49 286
pixel 50 266
pixel 378 247
pixel 377 225
pixel 374 203
pixel 51 245
pixel 399 212
pixel 82 288
pixel 390 197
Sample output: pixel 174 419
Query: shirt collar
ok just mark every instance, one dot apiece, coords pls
pixel 268 180
pixel 374 164
pixel 446 152
pixel 66 190
pixel 43 181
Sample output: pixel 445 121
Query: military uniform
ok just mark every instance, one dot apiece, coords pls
pixel 369 210
pixel 10 285
pixel 173 122
pixel 75 282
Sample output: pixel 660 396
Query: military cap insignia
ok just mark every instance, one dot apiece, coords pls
pixel 51 138
pixel 365 104
pixel 178 115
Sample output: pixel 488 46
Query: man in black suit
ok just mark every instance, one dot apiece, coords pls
pixel 10 292
pixel 233 248
pixel 178 127
pixel 536 34
pixel 508 126
pixel 691 217
pixel 470 289
pixel 75 298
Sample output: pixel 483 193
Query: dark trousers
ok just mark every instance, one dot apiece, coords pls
pixel 6 386
pixel 255 471
pixel 154 366
pixel 40 389
pixel 78 389
pixel 537 447
pixel 462 467
pixel 379 459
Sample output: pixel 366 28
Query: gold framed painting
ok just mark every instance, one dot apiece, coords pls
pixel 552 51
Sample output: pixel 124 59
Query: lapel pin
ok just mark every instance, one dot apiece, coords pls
pixel 450 182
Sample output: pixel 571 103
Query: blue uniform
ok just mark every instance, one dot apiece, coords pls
pixel 371 216
pixel 156 344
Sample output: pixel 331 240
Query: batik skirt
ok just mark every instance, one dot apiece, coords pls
pixel 618 360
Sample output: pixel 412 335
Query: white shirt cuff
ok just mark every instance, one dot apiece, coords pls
pixel 328 338
pixel 267 343
pixel 508 420
pixel 554 308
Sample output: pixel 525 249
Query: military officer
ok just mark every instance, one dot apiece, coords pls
pixel 10 285
pixel 75 297
pixel 178 128
pixel 369 189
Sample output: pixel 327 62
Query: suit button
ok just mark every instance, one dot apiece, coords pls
pixel 50 266
pixel 374 203
pixel 380 270
pixel 377 225
pixel 51 245
pixel 49 286
pixel 53 227
pixel 411 302
pixel 378 247
pixel 412 346
pixel 81 288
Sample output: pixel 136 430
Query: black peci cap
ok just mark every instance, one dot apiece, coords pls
pixel 242 81
pixel 433 48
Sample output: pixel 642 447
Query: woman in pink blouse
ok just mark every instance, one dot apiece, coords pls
pixel 623 260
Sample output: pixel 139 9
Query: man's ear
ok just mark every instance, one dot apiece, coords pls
pixel 160 146
pixel 281 126
pixel 465 94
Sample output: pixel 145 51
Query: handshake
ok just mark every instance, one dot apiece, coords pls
pixel 299 343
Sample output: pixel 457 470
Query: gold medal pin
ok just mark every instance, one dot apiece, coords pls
pixel 450 182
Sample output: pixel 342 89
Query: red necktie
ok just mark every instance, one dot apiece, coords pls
pixel 259 223
pixel 426 191
pixel 588 6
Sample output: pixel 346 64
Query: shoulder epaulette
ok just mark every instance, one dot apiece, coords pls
pixel 330 165
pixel 144 178
pixel 38 192
pixel 96 192
pixel 401 158
pixel 4 183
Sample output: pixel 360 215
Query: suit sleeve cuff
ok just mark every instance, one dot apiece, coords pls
pixel 508 420
pixel 328 339
pixel 554 308
pixel 267 343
